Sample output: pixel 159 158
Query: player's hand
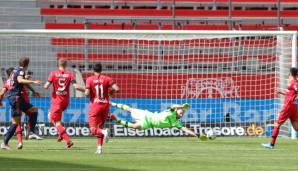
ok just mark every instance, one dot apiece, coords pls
pixel 38 82
pixel 1 104
pixel 36 94
pixel 279 92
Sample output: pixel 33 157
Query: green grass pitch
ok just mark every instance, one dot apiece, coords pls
pixel 122 154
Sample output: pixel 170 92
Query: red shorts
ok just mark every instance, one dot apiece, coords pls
pixel 288 111
pixel 98 114
pixel 56 112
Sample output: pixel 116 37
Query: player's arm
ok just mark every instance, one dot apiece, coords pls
pixel 47 84
pixel 87 88
pixel 188 131
pixel 35 93
pixel 77 86
pixel 87 91
pixel 21 80
pixel 2 93
pixel 114 89
pixel 281 93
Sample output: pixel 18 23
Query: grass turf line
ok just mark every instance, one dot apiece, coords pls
pixel 122 154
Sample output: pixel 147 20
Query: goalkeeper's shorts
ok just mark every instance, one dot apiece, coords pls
pixel 141 117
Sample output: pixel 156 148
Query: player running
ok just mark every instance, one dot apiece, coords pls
pixel 289 109
pixel 25 95
pixel 17 102
pixel 145 119
pixel 61 79
pixel 98 88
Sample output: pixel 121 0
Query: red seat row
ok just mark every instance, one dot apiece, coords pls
pixel 169 1
pixel 164 13
pixel 189 43
pixel 136 27
pixel 207 58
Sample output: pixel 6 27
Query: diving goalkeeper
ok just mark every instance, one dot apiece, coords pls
pixel 145 119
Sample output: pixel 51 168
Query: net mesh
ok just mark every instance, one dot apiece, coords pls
pixel 229 80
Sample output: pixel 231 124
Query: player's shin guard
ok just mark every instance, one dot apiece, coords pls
pixel 32 121
pixel 275 133
pixel 10 133
pixel 19 133
pixel 63 133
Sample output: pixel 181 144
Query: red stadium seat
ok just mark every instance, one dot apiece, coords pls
pixel 106 26
pixel 103 12
pixel 291 27
pixel 164 13
pixel 259 27
pixel 147 27
pixel 64 26
pixel 205 27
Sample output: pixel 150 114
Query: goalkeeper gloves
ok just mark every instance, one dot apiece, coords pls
pixel 185 106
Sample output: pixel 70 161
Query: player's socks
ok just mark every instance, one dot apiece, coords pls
pixel 62 133
pixel 99 136
pixel 32 121
pixel 100 140
pixel 125 123
pixel 10 133
pixel 98 150
pixel 19 134
pixel 275 133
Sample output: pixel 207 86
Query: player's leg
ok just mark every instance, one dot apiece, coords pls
pixel 121 106
pixel 55 116
pixel 32 113
pixel 294 118
pixel 295 125
pixel 282 117
pixel 15 115
pixel 97 117
pixel 19 136
pixel 10 132
pixel 125 123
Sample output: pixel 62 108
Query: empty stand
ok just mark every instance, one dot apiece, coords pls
pixel 64 26
pixel 205 27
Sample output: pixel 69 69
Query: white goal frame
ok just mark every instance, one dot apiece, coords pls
pixel 164 34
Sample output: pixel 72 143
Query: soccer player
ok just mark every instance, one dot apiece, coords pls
pixel 61 79
pixel 289 108
pixel 99 87
pixel 25 95
pixel 17 101
pixel 145 119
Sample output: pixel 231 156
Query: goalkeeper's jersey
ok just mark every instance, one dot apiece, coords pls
pixel 165 119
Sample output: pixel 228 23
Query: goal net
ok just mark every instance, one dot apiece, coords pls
pixel 229 78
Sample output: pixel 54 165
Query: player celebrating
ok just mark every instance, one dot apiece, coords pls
pixel 146 119
pixel 5 89
pixel 98 88
pixel 61 80
pixel 16 100
pixel 289 109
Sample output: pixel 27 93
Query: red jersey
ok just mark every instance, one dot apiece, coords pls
pixel 8 84
pixel 99 88
pixel 291 92
pixel 61 81
pixel 25 93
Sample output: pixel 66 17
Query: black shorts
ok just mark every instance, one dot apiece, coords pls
pixel 18 105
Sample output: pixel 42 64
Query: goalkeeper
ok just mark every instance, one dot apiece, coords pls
pixel 145 119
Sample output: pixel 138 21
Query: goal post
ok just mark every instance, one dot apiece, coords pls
pixel 228 77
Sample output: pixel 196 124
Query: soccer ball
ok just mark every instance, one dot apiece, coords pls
pixel 210 135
